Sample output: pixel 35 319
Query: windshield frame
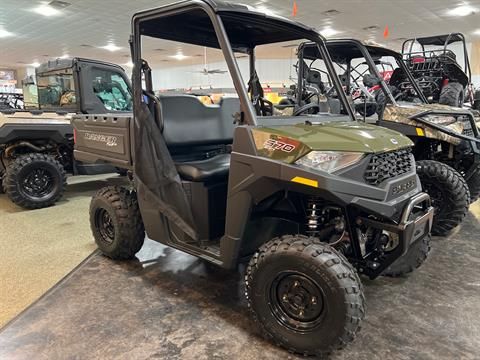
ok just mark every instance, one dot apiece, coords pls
pixel 216 15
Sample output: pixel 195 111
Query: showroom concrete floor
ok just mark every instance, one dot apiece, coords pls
pixel 169 305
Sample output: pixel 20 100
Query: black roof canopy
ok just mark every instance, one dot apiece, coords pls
pixel 246 28
pixel 344 50
pixel 439 40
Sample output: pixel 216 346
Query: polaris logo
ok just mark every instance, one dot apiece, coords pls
pixel 403 187
pixel 108 140
pixel 394 141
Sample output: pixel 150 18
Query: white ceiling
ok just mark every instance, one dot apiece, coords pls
pixel 85 25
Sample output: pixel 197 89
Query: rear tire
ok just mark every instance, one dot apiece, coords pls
pixel 413 259
pixel 474 186
pixel 452 94
pixel 305 295
pixel 449 193
pixel 116 222
pixel 34 181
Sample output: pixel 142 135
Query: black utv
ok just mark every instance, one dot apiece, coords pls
pixel 434 65
pixel 36 145
pixel 292 196
pixel 446 139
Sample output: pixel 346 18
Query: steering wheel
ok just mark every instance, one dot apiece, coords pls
pixel 262 106
pixel 307 109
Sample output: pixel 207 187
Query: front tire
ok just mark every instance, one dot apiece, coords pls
pixel 305 295
pixel 452 94
pixel 34 181
pixel 412 260
pixel 474 186
pixel 449 193
pixel 116 222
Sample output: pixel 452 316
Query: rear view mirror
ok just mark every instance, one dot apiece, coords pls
pixel 370 80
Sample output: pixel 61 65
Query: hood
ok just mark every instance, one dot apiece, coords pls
pixel 343 136
pixel 403 113
pixel 290 142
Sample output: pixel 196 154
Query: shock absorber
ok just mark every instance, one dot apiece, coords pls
pixel 313 216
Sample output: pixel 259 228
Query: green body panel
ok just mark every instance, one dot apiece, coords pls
pixel 338 136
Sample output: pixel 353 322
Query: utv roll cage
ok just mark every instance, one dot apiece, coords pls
pixel 343 51
pixel 228 34
pixel 438 40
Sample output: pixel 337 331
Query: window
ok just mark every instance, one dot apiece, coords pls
pixel 56 89
pixel 112 90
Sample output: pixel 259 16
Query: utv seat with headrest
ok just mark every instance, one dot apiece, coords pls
pixel 190 126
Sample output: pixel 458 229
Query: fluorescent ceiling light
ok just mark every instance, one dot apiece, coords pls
pixel 462 10
pixel 35 64
pixel 64 56
pixel 179 56
pixel 46 10
pixel 4 33
pixel 111 47
pixel 328 31
pixel 128 64
pixel 476 32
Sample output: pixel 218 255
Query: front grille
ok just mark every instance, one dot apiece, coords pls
pixel 467 125
pixel 388 165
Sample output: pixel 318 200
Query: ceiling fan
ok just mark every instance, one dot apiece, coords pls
pixel 205 70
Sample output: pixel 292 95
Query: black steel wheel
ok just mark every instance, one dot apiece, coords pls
pixel 34 181
pixel 448 191
pixel 296 301
pixel 305 295
pixel 104 224
pixel 116 222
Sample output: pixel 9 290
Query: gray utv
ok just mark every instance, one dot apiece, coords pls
pixel 292 196
pixel 36 145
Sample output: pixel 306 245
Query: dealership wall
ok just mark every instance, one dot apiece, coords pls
pixel 274 72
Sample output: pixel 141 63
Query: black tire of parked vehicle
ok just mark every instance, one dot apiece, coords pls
pixel 116 222
pixel 305 295
pixel 452 94
pixel 412 260
pixel 34 181
pixel 2 174
pixel 449 193
pixel 474 186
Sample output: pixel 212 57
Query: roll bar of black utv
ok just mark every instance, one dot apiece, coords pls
pixel 365 51
pixel 264 29
pixel 440 40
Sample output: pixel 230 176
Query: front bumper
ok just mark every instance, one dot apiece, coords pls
pixel 414 225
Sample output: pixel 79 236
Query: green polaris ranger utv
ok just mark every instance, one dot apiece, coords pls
pixel 307 201
pixel 447 143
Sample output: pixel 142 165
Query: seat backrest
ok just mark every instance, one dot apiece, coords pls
pixel 189 123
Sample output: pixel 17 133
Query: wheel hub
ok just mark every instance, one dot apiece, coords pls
pixel 104 224
pixel 38 182
pixel 297 301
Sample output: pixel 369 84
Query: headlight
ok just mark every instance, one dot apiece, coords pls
pixel 329 161
pixel 440 119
